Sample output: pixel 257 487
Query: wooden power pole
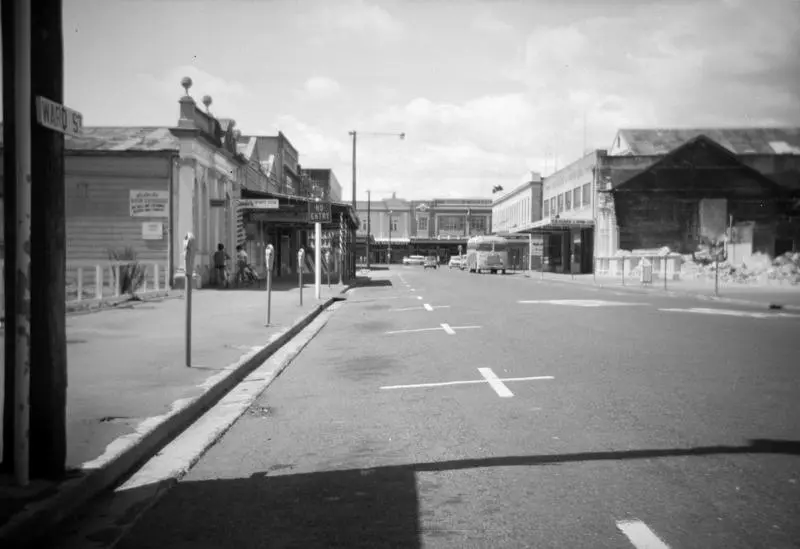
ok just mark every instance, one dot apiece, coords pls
pixel 9 229
pixel 48 252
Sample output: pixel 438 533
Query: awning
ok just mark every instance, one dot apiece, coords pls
pixel 393 240
pixel 549 224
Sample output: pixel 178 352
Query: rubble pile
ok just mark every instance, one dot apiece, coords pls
pixel 758 268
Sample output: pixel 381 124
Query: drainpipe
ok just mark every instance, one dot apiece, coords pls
pixel 173 165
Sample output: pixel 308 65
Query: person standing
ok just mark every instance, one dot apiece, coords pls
pixel 220 266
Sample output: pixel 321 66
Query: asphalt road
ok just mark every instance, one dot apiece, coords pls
pixel 642 425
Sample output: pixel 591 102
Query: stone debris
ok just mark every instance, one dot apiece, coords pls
pixel 759 268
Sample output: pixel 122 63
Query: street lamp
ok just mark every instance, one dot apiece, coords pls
pixel 354 134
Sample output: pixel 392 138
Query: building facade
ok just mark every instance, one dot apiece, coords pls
pixel 397 227
pixel 566 230
pixel 324 183
pixel 519 208
pixel 670 187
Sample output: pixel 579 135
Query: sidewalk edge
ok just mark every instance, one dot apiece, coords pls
pixel 36 520
pixel 674 293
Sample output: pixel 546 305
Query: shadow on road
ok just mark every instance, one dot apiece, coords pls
pixel 356 508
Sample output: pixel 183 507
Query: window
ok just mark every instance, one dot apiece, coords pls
pixel 546 208
pixel 587 196
pixel 560 203
pixel 477 225
pixel 576 197
pixel 393 223
pixel 568 200
pixel 452 224
pixel 422 224
pixel 553 210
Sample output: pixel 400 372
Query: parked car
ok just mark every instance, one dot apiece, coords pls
pixel 431 262
pixel 456 262
pixel 413 260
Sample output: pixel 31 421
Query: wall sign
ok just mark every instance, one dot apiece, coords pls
pixel 149 203
pixel 152 231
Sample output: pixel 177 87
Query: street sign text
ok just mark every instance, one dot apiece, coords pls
pixel 57 117
pixel 319 212
pixel 261 204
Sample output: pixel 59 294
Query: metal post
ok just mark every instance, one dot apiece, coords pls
pixel 665 272
pixel 269 256
pixel 318 260
pixel 341 248
pixel 716 271
pixel 22 365
pixel 530 253
pixel 389 247
pixel 369 206
pixel 188 247
pixel 623 270
pixel 353 133
pixel 300 255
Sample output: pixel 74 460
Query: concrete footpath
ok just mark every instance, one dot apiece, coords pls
pixel 771 295
pixel 130 391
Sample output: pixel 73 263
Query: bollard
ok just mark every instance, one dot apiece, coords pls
pixel 269 254
pixel 665 273
pixel 188 247
pixel 300 255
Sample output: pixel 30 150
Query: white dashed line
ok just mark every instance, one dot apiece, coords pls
pixel 495 383
pixel 640 535
pixel 428 307
pixel 448 329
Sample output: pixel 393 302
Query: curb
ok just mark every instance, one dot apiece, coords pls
pixel 676 293
pixel 38 519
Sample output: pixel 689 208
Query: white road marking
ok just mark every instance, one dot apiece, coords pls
pixel 581 302
pixel 731 312
pixel 467 382
pixel 495 383
pixel 412 331
pixel 419 297
pixel 450 330
pixel 405 309
pixel 640 535
pixel 428 307
pixel 413 290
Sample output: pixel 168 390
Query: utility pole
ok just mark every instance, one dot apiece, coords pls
pixel 353 133
pixel 369 216
pixel 48 253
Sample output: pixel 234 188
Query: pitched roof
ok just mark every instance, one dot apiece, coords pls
pixel 779 140
pixel 120 138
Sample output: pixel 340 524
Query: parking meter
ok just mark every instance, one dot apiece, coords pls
pixel 188 252
pixel 269 256
pixel 300 256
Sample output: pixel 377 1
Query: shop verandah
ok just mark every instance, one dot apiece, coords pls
pixel 288 229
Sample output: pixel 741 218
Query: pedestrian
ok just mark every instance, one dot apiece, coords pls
pixel 220 268
pixel 241 263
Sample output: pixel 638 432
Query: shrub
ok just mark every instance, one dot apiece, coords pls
pixel 131 272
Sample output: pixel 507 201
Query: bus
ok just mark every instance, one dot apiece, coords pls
pixel 487 253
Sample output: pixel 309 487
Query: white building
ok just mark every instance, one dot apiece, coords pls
pixel 518 209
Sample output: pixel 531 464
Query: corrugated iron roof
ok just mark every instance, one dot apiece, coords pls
pixel 646 142
pixel 120 138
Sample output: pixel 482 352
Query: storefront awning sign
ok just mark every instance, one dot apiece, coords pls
pixel 259 204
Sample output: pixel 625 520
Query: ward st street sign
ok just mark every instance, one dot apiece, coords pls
pixel 57 117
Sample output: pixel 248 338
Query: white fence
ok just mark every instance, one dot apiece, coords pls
pixel 630 265
pixel 97 280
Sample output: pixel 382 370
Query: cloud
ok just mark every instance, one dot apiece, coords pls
pixel 486 21
pixel 321 86
pixel 351 16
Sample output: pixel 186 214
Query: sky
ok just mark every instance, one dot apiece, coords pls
pixel 486 91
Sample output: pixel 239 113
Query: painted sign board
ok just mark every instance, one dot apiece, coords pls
pixel 260 204
pixel 149 203
pixel 57 117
